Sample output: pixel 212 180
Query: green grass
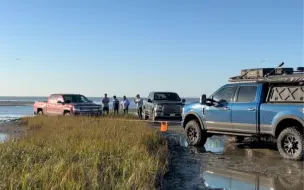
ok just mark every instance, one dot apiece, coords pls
pixel 83 153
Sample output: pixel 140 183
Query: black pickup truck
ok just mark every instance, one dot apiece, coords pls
pixel 163 106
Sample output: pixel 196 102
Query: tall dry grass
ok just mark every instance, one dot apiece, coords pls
pixel 83 153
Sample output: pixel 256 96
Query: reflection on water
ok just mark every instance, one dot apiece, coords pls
pixel 213 144
pixel 3 137
pixel 216 178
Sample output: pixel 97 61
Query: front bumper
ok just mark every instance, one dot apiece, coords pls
pixel 87 113
pixel 168 117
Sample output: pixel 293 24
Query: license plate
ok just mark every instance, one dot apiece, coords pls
pixel 172 114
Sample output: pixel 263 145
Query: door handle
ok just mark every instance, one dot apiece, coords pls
pixel 251 109
pixel 226 108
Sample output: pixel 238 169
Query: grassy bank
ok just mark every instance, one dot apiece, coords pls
pixel 83 153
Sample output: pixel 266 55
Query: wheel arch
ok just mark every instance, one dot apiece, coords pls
pixel 192 116
pixel 287 121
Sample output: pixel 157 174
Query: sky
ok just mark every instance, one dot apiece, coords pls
pixel 128 47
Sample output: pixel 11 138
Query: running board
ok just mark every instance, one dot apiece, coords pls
pixel 230 133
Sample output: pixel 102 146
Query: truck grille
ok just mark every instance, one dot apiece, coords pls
pixel 88 108
pixel 172 109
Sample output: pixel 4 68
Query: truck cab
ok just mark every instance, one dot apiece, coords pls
pixel 272 108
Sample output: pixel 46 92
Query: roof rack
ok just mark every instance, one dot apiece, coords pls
pixel 270 75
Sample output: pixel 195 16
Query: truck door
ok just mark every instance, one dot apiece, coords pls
pixel 218 117
pixel 59 108
pixel 51 105
pixel 244 112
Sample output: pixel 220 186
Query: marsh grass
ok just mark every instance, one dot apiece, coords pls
pixel 83 153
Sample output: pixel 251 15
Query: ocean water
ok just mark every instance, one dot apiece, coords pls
pixel 8 113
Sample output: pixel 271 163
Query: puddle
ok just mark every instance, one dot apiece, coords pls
pixel 3 137
pixel 215 144
pixel 217 178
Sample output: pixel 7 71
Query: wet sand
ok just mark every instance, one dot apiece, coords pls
pixel 11 130
pixel 223 164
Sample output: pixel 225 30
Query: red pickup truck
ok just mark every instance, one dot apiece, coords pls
pixel 67 104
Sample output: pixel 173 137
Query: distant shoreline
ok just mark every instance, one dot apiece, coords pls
pixel 16 103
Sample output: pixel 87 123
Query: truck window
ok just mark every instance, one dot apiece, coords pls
pixel 247 94
pixel 60 98
pixel 53 99
pixel 166 96
pixel 150 96
pixel 75 99
pixel 225 94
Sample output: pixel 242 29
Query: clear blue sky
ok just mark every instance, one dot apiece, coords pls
pixel 129 47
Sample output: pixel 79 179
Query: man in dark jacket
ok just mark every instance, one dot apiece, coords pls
pixel 115 105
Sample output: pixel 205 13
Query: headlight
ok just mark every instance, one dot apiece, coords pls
pixel 158 107
pixel 76 108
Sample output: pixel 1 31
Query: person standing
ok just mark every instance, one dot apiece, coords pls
pixel 139 103
pixel 105 101
pixel 125 104
pixel 115 105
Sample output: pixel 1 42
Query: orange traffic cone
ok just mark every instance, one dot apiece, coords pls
pixel 163 126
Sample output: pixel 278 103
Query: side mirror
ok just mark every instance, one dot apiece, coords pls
pixel 183 100
pixel 203 99
pixel 149 100
pixel 209 102
pixel 59 102
pixel 91 101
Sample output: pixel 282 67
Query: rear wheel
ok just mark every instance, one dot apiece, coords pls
pixel 40 112
pixel 196 136
pixel 291 143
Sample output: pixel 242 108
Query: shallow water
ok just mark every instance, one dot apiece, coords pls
pixel 3 137
pixel 9 113
pixel 249 165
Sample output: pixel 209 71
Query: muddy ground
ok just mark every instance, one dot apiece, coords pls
pixel 220 164
pixel 224 164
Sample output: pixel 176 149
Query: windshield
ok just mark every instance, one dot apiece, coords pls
pixel 167 96
pixel 75 99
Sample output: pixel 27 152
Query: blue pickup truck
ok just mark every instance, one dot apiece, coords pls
pixel 264 103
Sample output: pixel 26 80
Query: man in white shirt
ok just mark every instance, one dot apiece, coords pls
pixel 125 104
pixel 139 103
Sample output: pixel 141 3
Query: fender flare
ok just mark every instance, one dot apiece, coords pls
pixel 276 123
pixel 197 116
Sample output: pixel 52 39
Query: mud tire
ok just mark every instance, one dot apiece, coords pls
pixel 145 116
pixel 67 114
pixel 152 117
pixel 239 139
pixel 195 135
pixel 40 112
pixel 298 136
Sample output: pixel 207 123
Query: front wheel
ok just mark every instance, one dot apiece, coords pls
pixel 196 136
pixel 67 114
pixel 145 114
pixel 290 144
pixel 40 112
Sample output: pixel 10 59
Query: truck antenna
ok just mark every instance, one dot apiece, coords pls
pixel 274 69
